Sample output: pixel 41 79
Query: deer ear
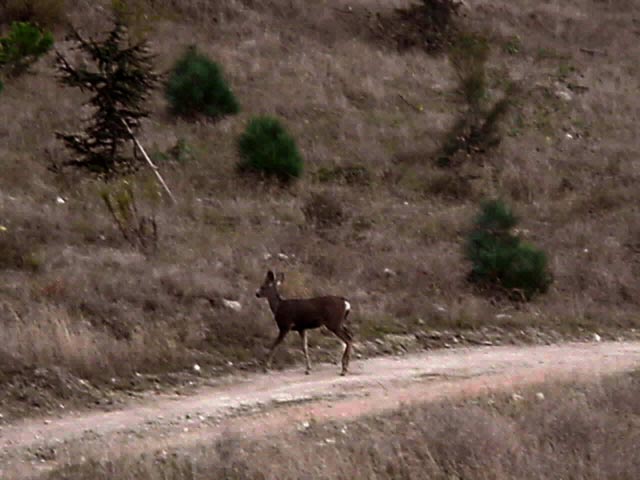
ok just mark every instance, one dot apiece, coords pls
pixel 270 276
pixel 280 278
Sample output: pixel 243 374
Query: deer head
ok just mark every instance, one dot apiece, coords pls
pixel 269 287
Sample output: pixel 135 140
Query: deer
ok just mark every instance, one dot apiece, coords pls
pixel 302 314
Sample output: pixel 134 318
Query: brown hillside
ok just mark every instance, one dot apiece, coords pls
pixel 77 301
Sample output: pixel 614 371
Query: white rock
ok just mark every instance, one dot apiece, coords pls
pixel 503 315
pixel 266 256
pixel 569 136
pixel 60 200
pixel 388 272
pixel 196 368
pixel 304 426
pixel 540 396
pixel 597 337
pixel 517 397
pixel 232 304
pixel 283 256
pixel 564 95
pixel 330 441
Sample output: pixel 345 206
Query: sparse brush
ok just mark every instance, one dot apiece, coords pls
pixel 22 47
pixel 469 55
pixel 429 24
pixel 44 13
pixel 476 131
pixel 323 210
pixel 196 85
pixel 499 257
pixel 141 231
pixel 266 147
pixel 350 174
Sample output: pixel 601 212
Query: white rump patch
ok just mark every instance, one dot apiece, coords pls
pixel 347 306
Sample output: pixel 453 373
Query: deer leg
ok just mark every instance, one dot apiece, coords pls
pixel 344 334
pixel 305 349
pixel 277 341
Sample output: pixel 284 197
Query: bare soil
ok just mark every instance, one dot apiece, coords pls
pixel 259 404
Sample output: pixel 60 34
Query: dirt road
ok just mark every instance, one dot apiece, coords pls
pixel 264 403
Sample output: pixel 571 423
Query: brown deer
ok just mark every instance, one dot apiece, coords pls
pixel 305 314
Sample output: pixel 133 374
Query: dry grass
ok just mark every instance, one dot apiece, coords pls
pixel 569 167
pixel 575 431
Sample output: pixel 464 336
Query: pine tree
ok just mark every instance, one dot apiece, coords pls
pixel 119 77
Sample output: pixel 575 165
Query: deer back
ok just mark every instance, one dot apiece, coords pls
pixel 309 313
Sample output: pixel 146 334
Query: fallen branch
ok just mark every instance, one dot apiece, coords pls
pixel 415 107
pixel 154 167
pixel 348 10
pixel 591 51
pixel 214 302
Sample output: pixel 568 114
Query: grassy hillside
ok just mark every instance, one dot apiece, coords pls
pixel 77 301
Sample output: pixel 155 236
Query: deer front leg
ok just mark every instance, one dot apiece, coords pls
pixel 277 341
pixel 305 349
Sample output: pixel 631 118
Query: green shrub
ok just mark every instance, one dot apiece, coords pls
pixel 266 147
pixel 500 259
pixel 24 44
pixel 196 85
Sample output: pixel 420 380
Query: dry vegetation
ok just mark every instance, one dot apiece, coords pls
pixel 369 120
pixel 561 431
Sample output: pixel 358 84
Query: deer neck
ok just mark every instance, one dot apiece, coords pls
pixel 274 299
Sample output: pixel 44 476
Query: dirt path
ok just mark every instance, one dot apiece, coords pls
pixel 258 403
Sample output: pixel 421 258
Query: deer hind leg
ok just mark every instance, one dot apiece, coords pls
pixel 344 334
pixel 305 349
pixel 277 341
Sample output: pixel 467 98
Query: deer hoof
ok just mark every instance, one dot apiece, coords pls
pixel 343 373
pixel 307 372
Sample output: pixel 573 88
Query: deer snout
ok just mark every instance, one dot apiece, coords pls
pixel 258 293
